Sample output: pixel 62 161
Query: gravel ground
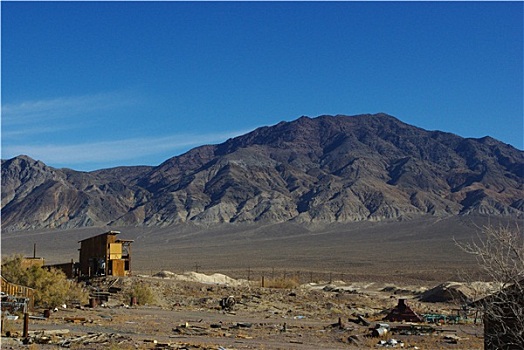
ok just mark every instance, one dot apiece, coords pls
pixel 187 315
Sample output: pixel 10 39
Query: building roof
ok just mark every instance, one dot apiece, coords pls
pixel 108 233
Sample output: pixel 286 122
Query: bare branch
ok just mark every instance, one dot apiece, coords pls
pixel 500 255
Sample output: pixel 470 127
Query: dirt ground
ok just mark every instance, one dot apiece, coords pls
pixel 188 315
pixel 338 272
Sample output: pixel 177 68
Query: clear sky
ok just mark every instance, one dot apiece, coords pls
pixel 91 85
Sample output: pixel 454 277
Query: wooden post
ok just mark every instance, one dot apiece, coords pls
pixel 263 285
pixel 26 325
pixel 129 259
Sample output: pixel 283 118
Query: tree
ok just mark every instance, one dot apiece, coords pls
pixel 500 255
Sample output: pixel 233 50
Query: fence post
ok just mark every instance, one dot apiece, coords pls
pixel 26 325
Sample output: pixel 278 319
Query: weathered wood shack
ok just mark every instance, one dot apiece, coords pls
pixel 105 255
pixel 504 318
pixel 70 269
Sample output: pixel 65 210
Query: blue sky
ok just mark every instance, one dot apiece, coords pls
pixel 91 85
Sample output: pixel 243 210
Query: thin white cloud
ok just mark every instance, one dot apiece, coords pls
pixel 24 126
pixel 116 151
pixel 20 133
pixel 54 110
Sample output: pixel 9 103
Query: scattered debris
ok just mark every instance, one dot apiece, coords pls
pixel 243 325
pixel 302 315
pixel 355 339
pixel 339 289
pixel 379 331
pixel 48 332
pixel 391 343
pixel 40 318
pixel 187 329
pixel 453 339
pixel 440 318
pixel 402 312
pixel 227 303
pixel 360 320
pixel 363 321
pixel 339 324
pixel 97 338
pixel 413 329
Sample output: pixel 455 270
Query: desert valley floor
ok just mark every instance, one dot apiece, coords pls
pixel 420 250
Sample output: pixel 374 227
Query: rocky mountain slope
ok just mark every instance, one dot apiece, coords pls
pixel 311 170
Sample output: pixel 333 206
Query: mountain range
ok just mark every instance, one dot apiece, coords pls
pixel 311 170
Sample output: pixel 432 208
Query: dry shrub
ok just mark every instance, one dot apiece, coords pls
pixel 143 293
pixel 52 288
pixel 281 282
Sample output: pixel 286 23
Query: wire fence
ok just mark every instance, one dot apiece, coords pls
pixel 261 275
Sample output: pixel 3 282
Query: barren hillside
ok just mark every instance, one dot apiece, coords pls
pixel 311 170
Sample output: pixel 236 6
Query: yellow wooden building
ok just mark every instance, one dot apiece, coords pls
pixel 105 255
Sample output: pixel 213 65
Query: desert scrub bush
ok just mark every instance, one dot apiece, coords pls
pixel 142 292
pixel 52 288
pixel 281 282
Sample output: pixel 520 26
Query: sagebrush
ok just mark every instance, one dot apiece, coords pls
pixel 143 293
pixel 52 288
